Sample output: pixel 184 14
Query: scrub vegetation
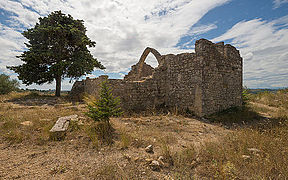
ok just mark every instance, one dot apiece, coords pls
pixel 248 142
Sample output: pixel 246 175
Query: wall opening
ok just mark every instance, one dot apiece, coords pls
pixel 151 60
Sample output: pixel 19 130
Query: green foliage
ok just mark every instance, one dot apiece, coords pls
pixel 245 95
pixel 7 85
pixel 57 49
pixel 106 107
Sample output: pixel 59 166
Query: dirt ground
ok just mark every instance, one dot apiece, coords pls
pixel 76 157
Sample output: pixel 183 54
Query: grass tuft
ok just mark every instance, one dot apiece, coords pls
pixel 125 139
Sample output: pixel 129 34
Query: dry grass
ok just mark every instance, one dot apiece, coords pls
pixel 34 108
pixel 278 99
pixel 241 143
pixel 184 164
pixel 259 150
pixel 125 139
pixel 268 161
pixel 100 133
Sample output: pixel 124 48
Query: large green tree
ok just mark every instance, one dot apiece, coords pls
pixel 57 49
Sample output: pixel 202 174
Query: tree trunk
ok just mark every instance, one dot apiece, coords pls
pixel 58 86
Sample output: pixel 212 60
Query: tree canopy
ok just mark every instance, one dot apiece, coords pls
pixel 57 49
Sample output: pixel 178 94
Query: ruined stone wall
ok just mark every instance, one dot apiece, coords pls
pixel 133 75
pixel 148 93
pixel 184 80
pixel 77 90
pixel 207 81
pixel 134 95
pixel 221 76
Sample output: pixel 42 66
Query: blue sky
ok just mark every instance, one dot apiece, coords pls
pixel 123 28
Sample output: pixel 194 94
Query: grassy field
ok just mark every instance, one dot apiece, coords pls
pixel 248 142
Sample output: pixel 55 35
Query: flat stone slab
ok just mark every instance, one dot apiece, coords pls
pixel 62 123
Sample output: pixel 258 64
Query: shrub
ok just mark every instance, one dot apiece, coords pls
pixel 106 106
pixel 101 110
pixel 245 95
pixel 7 85
pixel 103 131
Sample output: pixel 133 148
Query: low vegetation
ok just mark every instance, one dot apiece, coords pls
pixel 101 110
pixel 258 147
pixel 248 142
pixel 27 116
pixel 7 85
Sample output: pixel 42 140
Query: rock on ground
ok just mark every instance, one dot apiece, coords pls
pixel 62 123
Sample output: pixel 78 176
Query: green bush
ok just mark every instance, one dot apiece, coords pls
pixel 105 107
pixel 101 110
pixel 7 85
pixel 245 95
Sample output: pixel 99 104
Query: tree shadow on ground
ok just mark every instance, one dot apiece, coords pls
pixel 39 99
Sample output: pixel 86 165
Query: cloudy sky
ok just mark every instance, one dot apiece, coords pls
pixel 123 28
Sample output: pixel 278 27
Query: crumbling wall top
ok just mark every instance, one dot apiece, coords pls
pixel 206 47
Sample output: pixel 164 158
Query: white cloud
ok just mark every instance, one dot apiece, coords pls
pixel 201 29
pixel 278 3
pixel 11 42
pixel 121 29
pixel 263 46
pixel 194 33
pixel 22 16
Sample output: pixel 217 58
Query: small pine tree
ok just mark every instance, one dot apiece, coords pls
pixel 101 110
pixel 106 106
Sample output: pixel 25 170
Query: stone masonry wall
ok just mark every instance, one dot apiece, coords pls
pixel 205 82
pixel 133 74
pixel 221 76
pixel 183 81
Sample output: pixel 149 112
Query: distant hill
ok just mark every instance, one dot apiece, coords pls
pixel 255 91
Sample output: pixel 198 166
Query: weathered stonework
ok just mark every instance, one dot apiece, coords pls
pixel 205 82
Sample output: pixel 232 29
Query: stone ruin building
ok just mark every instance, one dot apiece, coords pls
pixel 204 82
